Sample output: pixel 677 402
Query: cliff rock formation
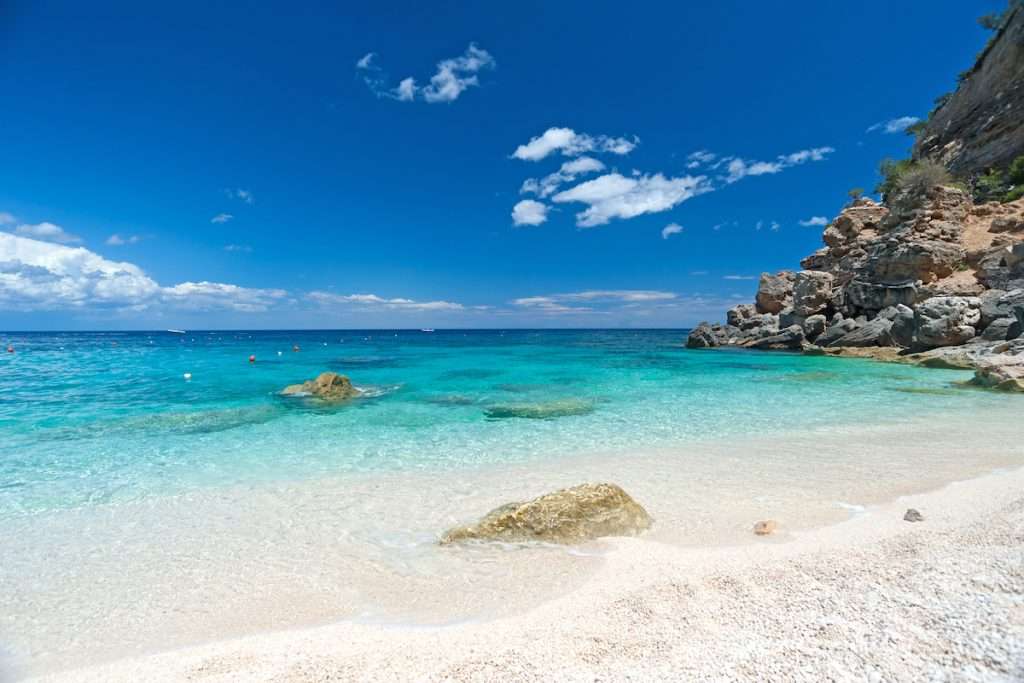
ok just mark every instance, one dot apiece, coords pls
pixel 981 126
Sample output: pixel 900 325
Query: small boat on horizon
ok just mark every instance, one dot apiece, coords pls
pixel 177 331
pixel 427 329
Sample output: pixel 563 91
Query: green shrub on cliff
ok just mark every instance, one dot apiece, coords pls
pixel 911 180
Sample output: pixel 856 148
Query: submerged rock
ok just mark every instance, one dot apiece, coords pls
pixel 544 410
pixel 1005 373
pixel 328 386
pixel 565 516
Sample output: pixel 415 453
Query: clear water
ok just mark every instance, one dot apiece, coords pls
pixel 109 417
pixel 141 511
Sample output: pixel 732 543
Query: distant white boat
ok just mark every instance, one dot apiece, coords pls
pixel 177 331
pixel 427 329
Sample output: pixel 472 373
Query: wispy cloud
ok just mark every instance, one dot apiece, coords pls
pixel 529 212
pixel 897 125
pixel 737 168
pixel 568 172
pixel 222 218
pixel 453 77
pixel 699 158
pixel 117 240
pixel 244 248
pixel 615 196
pixel 240 194
pixel 48 232
pixel 373 301
pixel 739 277
pixel 7 218
pixel 570 143
pixel 814 221
pixel 671 229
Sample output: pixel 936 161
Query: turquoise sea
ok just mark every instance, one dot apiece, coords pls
pixel 141 510
pixel 91 418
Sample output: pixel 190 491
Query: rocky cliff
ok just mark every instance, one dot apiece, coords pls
pixel 981 126
pixel 928 276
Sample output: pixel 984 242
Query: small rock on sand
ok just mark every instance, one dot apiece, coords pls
pixel 913 515
pixel 766 527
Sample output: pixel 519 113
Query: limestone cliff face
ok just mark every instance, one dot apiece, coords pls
pixel 981 126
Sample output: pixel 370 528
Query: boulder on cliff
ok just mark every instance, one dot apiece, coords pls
pixel 812 292
pixel 708 336
pixel 877 332
pixel 947 320
pixel 328 386
pixel 774 292
pixel 791 337
pixel 565 516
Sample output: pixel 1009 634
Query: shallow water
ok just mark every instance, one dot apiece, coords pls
pixel 140 510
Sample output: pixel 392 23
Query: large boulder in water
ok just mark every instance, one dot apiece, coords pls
pixel 328 386
pixel 569 515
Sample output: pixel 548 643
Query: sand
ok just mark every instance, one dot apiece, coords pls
pixel 871 598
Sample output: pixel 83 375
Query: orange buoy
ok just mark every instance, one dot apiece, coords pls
pixel 252 359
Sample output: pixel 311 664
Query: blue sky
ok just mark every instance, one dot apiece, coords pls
pixel 208 165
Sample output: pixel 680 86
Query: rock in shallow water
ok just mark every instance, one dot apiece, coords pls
pixel 541 411
pixel 913 515
pixel 565 516
pixel 328 386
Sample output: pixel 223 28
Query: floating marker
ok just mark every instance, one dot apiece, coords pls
pixel 188 376
pixel 295 348
pixel 10 349
pixel 252 359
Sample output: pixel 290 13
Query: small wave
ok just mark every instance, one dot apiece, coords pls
pixel 375 391
pixel 855 509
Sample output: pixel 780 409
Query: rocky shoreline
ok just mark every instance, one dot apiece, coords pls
pixel 927 278
pixel 934 273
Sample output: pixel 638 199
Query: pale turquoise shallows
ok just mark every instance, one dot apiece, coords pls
pixel 89 418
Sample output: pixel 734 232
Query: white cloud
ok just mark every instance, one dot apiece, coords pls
pixel 221 218
pixel 615 196
pixel 739 277
pixel 814 221
pixel 366 61
pixel 608 299
pixel 452 78
pixel 568 172
pixel 897 125
pixel 6 218
pixel 374 301
pixel 204 296
pixel 738 169
pixel 699 158
pixel 671 229
pixel 406 90
pixel 240 194
pixel 529 212
pixel 38 275
pixel 48 232
pixel 116 240
pixel 775 226
pixel 570 143
pixel 245 248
